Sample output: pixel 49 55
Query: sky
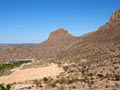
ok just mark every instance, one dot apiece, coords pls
pixel 31 21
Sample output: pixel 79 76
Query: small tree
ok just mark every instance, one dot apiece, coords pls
pixel 45 79
pixel 7 87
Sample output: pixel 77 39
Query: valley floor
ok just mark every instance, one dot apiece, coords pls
pixel 31 74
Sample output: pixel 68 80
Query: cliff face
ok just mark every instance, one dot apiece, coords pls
pixel 115 17
pixel 113 22
pixel 60 38
pixel 58 34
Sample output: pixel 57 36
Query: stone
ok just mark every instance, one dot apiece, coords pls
pixel 60 33
pixel 115 16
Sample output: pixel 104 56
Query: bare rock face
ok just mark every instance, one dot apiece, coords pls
pixel 113 22
pixel 58 34
pixel 115 16
pixel 60 38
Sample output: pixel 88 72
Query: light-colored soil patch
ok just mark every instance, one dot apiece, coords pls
pixel 32 74
pixel 23 87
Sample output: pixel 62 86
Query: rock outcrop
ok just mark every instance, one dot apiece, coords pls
pixel 115 17
pixel 113 22
pixel 58 34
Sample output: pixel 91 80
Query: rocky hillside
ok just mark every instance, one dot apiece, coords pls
pixel 96 60
pixel 58 40
pixel 104 43
pixel 94 45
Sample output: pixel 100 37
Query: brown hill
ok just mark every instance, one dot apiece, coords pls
pixel 58 40
pixel 95 60
pixel 98 44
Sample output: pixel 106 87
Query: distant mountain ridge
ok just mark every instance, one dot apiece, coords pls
pixel 19 44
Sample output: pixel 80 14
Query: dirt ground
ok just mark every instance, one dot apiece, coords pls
pixel 31 74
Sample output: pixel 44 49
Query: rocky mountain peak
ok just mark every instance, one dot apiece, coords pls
pixel 60 33
pixel 115 16
pixel 113 23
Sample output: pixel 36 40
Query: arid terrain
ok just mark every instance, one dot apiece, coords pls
pixel 27 74
pixel 88 62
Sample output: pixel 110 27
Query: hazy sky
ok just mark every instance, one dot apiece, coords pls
pixel 31 21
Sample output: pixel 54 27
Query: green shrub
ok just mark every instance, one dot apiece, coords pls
pixel 45 79
pixel 7 87
pixel 10 66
